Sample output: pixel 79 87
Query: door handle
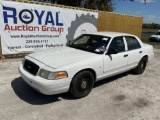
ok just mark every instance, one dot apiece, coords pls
pixel 140 51
pixel 125 55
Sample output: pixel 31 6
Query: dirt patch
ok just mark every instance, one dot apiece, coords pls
pixel 142 102
pixel 119 97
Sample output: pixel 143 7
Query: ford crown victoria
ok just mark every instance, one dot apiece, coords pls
pixel 85 60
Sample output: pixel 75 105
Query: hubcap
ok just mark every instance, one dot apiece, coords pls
pixel 84 84
pixel 142 65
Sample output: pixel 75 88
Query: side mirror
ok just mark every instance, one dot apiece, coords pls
pixel 112 51
pixel 68 43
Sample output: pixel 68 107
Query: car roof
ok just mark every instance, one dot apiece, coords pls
pixel 111 34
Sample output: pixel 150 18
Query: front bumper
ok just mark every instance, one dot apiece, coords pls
pixel 154 39
pixel 47 87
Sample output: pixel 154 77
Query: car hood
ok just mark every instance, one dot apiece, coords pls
pixel 155 36
pixel 61 56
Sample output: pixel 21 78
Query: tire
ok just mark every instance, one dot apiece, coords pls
pixel 82 84
pixel 141 66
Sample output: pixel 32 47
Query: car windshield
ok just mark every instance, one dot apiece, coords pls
pixel 90 43
pixel 157 33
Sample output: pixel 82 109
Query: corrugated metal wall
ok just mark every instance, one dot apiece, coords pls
pixel 107 21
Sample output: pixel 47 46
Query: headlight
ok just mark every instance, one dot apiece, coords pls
pixel 52 75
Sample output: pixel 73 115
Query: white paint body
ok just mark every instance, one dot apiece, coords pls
pixel 73 61
pixel 155 37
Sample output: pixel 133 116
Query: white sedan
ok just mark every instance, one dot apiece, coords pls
pixel 155 37
pixel 87 59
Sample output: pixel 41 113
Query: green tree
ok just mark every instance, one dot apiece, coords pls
pixel 104 5
pixel 151 26
pixel 75 3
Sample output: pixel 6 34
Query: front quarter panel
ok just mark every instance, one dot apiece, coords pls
pixel 95 63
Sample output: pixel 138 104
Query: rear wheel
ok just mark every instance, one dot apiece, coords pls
pixel 82 84
pixel 141 66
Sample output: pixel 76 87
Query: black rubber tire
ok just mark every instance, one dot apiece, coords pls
pixel 84 77
pixel 141 66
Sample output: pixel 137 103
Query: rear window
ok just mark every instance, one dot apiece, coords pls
pixel 132 43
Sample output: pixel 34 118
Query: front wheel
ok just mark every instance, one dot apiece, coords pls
pixel 141 66
pixel 82 84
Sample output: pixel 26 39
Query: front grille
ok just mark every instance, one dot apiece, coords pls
pixel 30 67
pixel 152 38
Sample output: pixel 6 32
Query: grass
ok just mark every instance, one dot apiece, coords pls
pixel 150 30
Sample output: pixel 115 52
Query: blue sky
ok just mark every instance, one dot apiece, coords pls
pixel 150 11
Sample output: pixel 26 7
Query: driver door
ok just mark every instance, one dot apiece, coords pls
pixel 116 63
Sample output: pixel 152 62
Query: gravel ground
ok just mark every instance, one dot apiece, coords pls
pixel 124 97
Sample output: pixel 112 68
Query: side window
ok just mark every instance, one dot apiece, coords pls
pixel 132 43
pixel 118 43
